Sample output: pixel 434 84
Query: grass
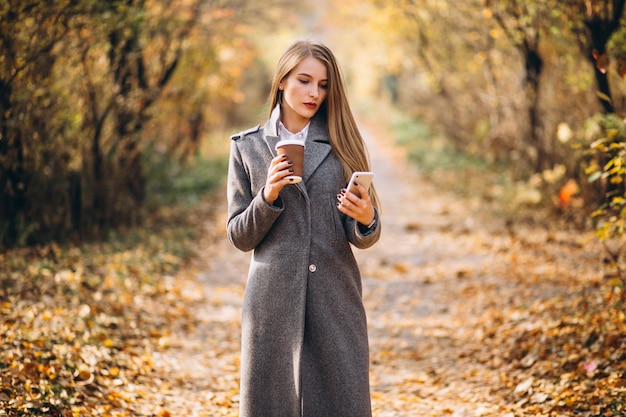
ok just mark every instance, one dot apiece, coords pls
pixel 431 152
pixel 434 156
pixel 185 183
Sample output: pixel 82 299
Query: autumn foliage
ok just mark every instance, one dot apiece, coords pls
pixel 96 96
pixel 80 325
pixel 104 104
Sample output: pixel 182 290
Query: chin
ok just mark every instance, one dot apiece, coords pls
pixel 309 113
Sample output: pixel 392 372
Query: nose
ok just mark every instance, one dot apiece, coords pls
pixel 315 91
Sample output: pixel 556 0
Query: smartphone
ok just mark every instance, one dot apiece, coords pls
pixel 361 177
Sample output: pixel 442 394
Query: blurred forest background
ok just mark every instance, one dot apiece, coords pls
pixel 115 118
pixel 110 109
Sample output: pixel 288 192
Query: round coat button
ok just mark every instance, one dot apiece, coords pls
pixel 312 268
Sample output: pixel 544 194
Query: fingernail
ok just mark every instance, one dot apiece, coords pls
pixel 355 183
pixel 290 169
pixel 343 190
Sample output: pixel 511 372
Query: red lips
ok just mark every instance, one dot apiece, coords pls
pixel 311 105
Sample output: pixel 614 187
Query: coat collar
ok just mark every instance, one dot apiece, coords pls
pixel 317 144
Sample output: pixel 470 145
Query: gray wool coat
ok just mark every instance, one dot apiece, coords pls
pixel 304 331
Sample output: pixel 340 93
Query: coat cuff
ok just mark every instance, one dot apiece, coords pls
pixel 362 236
pixel 366 230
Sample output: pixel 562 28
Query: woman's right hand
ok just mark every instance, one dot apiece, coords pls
pixel 277 173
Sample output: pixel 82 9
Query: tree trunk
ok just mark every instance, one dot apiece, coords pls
pixel 600 29
pixel 534 66
pixel 12 181
pixel 604 88
pixel 99 195
pixel 76 201
pixel 129 74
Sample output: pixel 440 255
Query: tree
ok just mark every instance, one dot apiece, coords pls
pixel 124 94
pixel 29 33
pixel 82 84
pixel 595 22
pixel 524 24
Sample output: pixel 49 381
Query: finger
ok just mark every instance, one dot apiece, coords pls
pixel 347 210
pixel 277 161
pixel 280 178
pixel 348 206
pixel 352 198
pixel 276 183
pixel 363 191
pixel 280 170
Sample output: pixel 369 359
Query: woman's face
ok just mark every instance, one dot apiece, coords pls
pixel 304 91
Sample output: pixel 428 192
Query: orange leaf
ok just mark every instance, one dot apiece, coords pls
pixel 602 63
pixel 567 191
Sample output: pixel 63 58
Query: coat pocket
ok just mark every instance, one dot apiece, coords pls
pixel 337 218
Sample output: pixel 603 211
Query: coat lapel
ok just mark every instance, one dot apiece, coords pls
pixel 271 130
pixel 317 147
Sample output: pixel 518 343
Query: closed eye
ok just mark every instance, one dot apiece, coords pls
pixel 322 86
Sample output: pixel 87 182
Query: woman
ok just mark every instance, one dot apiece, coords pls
pixel 304 331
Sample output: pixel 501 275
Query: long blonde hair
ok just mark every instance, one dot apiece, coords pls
pixel 345 138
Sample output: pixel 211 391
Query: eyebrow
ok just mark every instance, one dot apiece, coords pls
pixel 310 76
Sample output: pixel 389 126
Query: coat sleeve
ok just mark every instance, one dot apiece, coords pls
pixel 250 217
pixel 356 236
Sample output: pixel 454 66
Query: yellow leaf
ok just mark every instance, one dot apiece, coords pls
pixel 401 268
pixel 603 96
pixel 610 133
pixel 598 213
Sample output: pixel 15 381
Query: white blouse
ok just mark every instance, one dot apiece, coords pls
pixel 285 134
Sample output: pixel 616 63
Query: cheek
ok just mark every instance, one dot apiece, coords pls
pixel 291 93
pixel 292 87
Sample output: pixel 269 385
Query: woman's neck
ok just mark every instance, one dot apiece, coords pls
pixel 293 122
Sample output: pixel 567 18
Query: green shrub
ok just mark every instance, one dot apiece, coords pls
pixel 606 167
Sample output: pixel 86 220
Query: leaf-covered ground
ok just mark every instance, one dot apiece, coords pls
pixel 472 312
pixel 81 325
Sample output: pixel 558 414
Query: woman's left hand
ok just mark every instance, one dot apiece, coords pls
pixel 360 209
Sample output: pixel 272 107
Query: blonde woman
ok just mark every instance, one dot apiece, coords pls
pixel 304 331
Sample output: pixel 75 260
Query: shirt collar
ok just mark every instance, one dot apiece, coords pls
pixel 317 129
pixel 284 133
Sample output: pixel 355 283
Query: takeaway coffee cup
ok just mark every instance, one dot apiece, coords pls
pixel 295 153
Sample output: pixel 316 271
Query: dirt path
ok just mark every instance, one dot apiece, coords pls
pixel 447 281
pixel 415 279
pixel 428 285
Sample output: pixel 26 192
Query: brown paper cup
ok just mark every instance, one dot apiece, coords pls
pixel 295 153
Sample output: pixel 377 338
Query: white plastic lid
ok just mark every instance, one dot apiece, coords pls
pixel 289 142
